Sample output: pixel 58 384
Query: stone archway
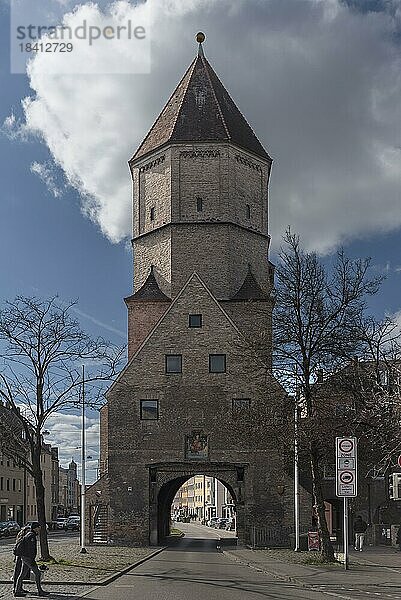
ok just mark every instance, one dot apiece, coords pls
pixel 167 478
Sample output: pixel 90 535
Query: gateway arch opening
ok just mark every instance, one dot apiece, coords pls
pixel 197 506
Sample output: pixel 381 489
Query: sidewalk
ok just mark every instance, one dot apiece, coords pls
pixel 76 574
pixel 376 571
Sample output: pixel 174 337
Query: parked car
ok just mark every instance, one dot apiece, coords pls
pixel 222 523
pixel 73 523
pixel 9 528
pixel 29 524
pixel 230 525
pixel 212 521
pixel 58 523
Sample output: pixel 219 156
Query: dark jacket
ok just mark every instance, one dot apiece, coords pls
pixel 398 539
pixel 30 546
pixel 360 526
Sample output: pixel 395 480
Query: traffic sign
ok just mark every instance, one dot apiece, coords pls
pixel 346 467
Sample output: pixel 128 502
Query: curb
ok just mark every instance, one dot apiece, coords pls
pixel 105 582
pixel 101 582
pixel 287 578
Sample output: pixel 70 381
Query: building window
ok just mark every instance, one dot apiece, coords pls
pixel 1 483
pixel 248 211
pixel 152 213
pixel 199 204
pixel 241 404
pixel 195 320
pixel 149 410
pixel 8 485
pixel 217 363
pixel 173 363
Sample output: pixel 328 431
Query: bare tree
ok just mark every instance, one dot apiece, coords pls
pixel 42 352
pixel 318 324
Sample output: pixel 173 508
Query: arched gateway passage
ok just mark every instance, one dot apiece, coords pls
pixel 166 480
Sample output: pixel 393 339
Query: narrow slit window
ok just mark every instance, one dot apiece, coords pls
pixel 199 204
pixel 248 211
pixel 152 213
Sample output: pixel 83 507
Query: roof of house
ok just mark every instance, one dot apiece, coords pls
pixel 250 289
pixel 200 110
pixel 150 290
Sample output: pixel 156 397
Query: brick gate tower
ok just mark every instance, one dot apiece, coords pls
pixel 193 399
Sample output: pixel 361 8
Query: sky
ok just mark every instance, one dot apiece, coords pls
pixel 318 80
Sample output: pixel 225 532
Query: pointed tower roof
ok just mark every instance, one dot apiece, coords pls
pixel 149 291
pixel 250 289
pixel 201 110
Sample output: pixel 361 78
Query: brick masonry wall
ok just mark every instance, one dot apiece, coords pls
pixel 194 399
pixel 151 189
pixel 154 250
pixel 104 440
pixel 142 317
pixel 227 179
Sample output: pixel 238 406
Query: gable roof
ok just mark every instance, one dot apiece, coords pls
pixel 170 308
pixel 200 109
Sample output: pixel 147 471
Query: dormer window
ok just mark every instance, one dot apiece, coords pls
pixel 248 211
pixel 199 204
pixel 152 213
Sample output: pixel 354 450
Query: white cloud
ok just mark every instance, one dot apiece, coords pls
pixel 65 431
pixel 46 172
pixel 320 84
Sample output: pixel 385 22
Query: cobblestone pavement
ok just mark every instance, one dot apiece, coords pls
pixel 60 592
pixel 99 563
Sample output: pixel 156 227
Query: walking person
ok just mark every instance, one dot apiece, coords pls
pixel 27 549
pixel 360 528
pixel 18 561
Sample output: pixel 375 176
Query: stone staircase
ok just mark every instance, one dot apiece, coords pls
pixel 101 523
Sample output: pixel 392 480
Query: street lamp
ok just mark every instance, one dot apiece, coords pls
pixel 296 466
pixel 83 479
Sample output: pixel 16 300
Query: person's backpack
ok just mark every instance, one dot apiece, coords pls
pixel 19 547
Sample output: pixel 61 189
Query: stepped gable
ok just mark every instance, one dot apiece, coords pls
pixel 201 110
pixel 250 289
pixel 149 291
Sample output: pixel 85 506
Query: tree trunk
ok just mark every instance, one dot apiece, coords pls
pixel 326 545
pixel 40 504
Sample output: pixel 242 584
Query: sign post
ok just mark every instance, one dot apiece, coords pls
pixel 346 480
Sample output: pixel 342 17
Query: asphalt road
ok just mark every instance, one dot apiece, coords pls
pixel 6 544
pixel 192 569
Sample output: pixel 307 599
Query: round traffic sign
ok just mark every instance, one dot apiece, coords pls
pixel 346 445
pixel 346 477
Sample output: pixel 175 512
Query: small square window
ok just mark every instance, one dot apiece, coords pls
pixel 149 410
pixel 217 363
pixel 152 213
pixel 173 363
pixel 199 204
pixel 195 320
pixel 241 403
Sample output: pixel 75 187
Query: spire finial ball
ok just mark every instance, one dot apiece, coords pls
pixel 200 37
